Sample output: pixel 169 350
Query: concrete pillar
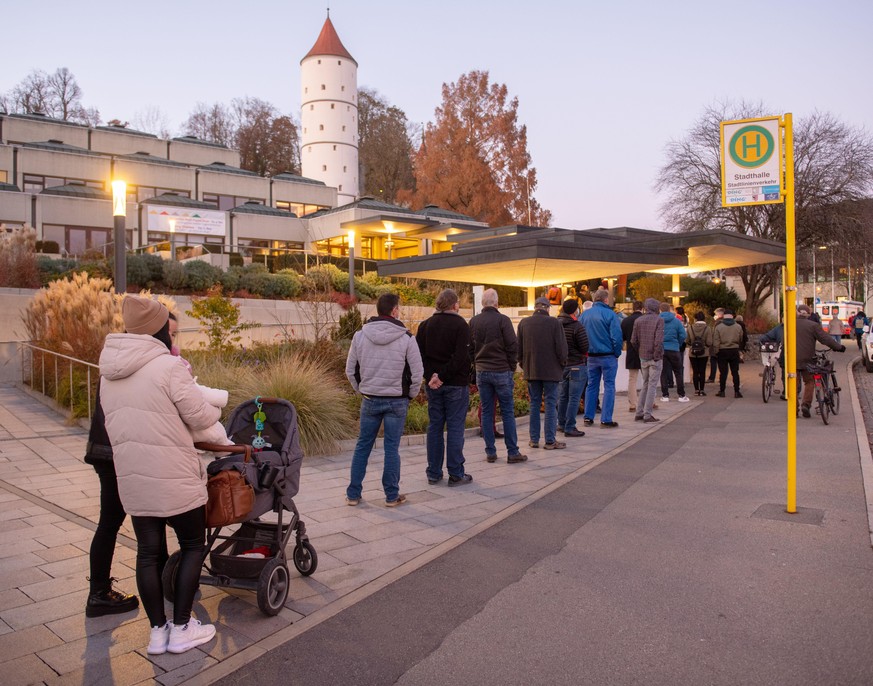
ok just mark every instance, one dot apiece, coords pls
pixel 674 288
pixel 531 298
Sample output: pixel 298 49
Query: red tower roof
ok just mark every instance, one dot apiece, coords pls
pixel 328 43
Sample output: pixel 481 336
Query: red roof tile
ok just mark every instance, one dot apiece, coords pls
pixel 328 43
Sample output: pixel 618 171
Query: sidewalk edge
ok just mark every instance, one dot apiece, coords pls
pixel 866 457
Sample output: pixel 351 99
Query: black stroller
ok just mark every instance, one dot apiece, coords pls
pixel 267 429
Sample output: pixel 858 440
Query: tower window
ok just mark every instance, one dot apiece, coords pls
pixel 344 168
pixel 304 129
pixel 340 187
pixel 323 167
pixel 344 128
pixel 323 87
pixel 339 62
pixel 342 88
pixel 348 108
pixel 309 149
pixel 321 127
pixel 306 90
pixel 334 147
pixel 331 105
pixel 319 61
pixel 311 107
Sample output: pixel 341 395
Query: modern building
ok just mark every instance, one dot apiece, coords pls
pixel 55 176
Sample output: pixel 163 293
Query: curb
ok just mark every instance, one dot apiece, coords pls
pixel 866 457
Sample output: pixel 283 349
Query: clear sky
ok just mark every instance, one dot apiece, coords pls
pixel 602 85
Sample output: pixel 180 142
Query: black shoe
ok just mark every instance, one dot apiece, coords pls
pixel 804 410
pixel 574 433
pixel 109 602
pixel 460 480
pixel 433 481
pixel 609 425
pixel 783 397
pixel 512 459
pixel 651 420
pixel 720 394
pixel 588 422
pixel 737 394
pixel 701 393
pixel 497 434
pixel 491 458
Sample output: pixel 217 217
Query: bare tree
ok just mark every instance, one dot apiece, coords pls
pixel 212 123
pixel 56 95
pixel 65 95
pixel 833 164
pixel 152 119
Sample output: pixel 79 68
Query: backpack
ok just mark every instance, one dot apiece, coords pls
pixel 554 295
pixel 698 347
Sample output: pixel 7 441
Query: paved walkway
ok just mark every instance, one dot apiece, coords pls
pixel 49 506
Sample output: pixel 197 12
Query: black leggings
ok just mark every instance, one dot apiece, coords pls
pixel 698 372
pixel 111 518
pixel 151 532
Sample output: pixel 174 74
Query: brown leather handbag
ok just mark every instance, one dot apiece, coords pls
pixel 230 497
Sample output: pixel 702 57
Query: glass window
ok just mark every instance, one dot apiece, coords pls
pixel 58 234
pixel 4 178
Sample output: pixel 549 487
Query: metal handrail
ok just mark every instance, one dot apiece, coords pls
pixel 24 346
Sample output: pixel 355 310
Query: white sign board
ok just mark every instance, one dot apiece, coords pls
pixel 751 162
pixel 186 220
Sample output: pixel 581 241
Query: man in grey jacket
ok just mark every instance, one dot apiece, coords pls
pixel 648 338
pixel 384 365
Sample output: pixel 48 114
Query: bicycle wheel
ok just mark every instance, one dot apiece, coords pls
pixel 835 395
pixel 767 381
pixel 824 407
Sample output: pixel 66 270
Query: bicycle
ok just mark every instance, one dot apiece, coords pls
pixel 827 391
pixel 769 358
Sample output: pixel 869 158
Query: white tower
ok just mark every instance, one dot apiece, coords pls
pixel 329 118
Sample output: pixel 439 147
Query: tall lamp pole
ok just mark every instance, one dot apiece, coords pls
pixel 119 215
pixel 352 263
pixel 173 240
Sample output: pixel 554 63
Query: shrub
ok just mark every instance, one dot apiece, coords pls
pixel 73 316
pixel 18 265
pixel 138 272
pixel 96 268
pixel 155 264
pixel 230 279
pixel 201 275
pixel 255 282
pixel 322 278
pixel 219 320
pixel 759 324
pixel 349 324
pixel 48 247
pixel 285 284
pixel 174 275
pixel 344 300
pixel 51 270
pixel 712 295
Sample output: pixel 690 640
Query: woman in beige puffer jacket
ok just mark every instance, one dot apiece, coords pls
pixel 150 401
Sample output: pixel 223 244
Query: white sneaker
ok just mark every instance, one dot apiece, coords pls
pixel 665 399
pixel 158 639
pixel 684 399
pixel 189 636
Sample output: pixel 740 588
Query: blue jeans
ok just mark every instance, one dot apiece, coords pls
pixel 569 393
pixel 538 390
pixel 601 367
pixel 446 409
pixel 499 384
pixel 375 412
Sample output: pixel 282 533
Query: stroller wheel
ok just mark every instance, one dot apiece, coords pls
pixel 305 558
pixel 273 587
pixel 168 576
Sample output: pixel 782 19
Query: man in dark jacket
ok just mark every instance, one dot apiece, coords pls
pixel 542 349
pixel 575 372
pixel 648 338
pixel 631 355
pixel 808 332
pixel 495 350
pixel 444 342
pixel 727 337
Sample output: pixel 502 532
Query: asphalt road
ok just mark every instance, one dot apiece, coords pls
pixel 671 563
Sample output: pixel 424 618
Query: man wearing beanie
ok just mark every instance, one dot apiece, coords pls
pixel 727 338
pixel 542 351
pixel 631 355
pixel 575 372
pixel 604 348
pixel 648 339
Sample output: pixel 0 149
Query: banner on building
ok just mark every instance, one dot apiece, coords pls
pixel 164 219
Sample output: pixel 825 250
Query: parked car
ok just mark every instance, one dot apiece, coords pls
pixel 867 349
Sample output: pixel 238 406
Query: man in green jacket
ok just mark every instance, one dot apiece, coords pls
pixel 727 338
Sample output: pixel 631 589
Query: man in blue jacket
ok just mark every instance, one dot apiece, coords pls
pixel 674 337
pixel 604 348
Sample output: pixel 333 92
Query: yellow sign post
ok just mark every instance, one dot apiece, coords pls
pixel 752 173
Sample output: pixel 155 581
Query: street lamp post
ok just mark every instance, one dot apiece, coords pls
pixel 173 239
pixel 119 215
pixel 352 263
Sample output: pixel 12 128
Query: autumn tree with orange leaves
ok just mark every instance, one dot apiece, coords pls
pixel 473 159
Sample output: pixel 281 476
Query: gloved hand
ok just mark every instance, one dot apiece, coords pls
pixel 841 349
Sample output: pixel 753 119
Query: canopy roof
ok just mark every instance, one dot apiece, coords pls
pixel 528 256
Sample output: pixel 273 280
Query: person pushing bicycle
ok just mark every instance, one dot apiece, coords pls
pixel 808 332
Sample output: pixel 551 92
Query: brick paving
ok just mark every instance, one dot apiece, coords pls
pixel 49 504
